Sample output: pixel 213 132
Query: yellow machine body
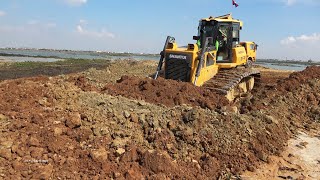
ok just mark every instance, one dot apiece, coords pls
pixel 177 59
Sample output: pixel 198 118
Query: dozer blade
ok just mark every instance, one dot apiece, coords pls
pixel 234 83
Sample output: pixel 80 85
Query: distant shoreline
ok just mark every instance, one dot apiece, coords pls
pixel 83 51
pixel 126 54
pixel 52 55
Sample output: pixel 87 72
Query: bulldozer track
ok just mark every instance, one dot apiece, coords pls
pixel 228 79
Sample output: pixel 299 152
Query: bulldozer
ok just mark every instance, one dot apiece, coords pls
pixel 218 60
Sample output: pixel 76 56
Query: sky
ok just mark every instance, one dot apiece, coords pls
pixel 283 29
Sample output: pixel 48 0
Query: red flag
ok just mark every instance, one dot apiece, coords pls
pixel 235 3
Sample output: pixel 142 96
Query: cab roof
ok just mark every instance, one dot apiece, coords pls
pixel 223 18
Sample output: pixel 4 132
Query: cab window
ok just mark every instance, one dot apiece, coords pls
pixel 210 61
pixel 252 46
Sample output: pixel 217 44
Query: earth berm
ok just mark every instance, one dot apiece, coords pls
pixel 117 123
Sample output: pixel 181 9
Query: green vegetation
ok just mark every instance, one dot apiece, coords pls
pixel 65 62
pixel 86 53
pixel 12 70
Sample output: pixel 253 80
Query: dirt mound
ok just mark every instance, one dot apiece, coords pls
pixel 63 128
pixel 16 97
pixel 297 78
pixel 166 92
pixel 55 128
pixel 82 83
pixel 298 94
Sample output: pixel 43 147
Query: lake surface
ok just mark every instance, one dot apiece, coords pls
pixel 51 56
pixel 25 59
pixel 73 55
pixel 280 66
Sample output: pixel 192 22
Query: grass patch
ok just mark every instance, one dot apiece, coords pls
pixel 64 63
pixel 12 70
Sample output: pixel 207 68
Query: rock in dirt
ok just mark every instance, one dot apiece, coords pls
pixel 158 162
pixel 36 152
pixel 6 144
pixel 44 172
pixel 262 156
pixel 126 114
pixel 141 103
pixel 119 142
pixel 3 117
pixel 134 118
pixel 100 154
pixel 6 154
pixel 33 141
pixel 160 176
pixel 142 118
pixel 73 120
pixel 133 174
pixel 100 131
pixel 131 155
pixel 191 115
pixel 120 151
pixel 271 120
pixel 57 131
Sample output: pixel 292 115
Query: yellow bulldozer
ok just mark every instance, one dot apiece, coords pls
pixel 217 61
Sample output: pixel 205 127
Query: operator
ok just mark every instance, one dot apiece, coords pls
pixel 221 37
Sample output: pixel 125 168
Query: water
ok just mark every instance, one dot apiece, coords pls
pixel 51 56
pixel 71 55
pixel 293 67
pixel 25 59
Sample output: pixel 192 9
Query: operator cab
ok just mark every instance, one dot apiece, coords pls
pixel 224 34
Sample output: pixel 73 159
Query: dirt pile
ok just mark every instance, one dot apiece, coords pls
pixel 65 127
pixel 166 92
pixel 22 127
pixel 51 128
pixel 296 79
pixel 116 70
pixel 297 95
pixel 83 83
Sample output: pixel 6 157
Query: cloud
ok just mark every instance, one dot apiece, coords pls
pixel 28 26
pixel 76 2
pixel 294 2
pixel 8 28
pixel 103 33
pixel 315 37
pixel 33 22
pixel 50 25
pixel 303 47
pixel 37 24
pixel 290 2
pixel 288 40
pixel 2 13
pixel 83 21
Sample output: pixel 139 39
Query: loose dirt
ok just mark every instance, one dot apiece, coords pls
pixel 90 126
pixel 166 92
pixel 300 160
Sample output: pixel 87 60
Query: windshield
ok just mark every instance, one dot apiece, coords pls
pixel 207 29
pixel 217 31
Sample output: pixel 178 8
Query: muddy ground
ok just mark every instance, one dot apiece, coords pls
pixel 115 122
